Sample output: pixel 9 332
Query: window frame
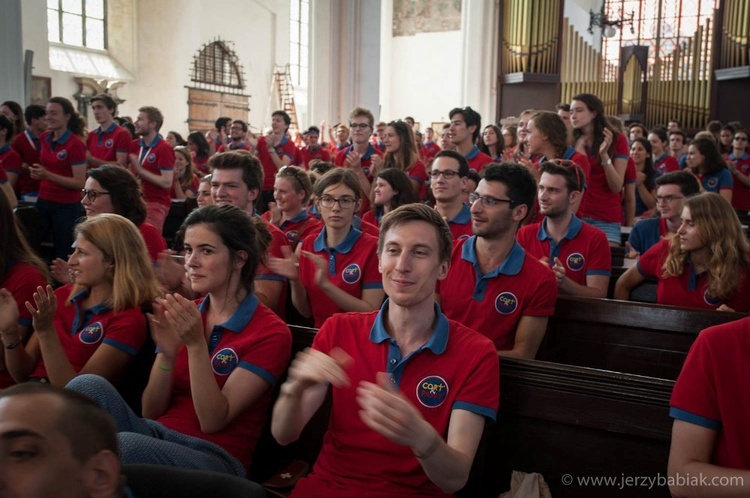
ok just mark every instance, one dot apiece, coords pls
pixel 84 17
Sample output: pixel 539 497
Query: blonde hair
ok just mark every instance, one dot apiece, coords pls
pixel 132 277
pixel 721 231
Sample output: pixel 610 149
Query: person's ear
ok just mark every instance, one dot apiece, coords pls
pixel 443 269
pixel 102 475
pixel 240 258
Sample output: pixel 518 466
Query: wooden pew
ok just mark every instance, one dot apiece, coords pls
pixel 563 420
pixel 622 336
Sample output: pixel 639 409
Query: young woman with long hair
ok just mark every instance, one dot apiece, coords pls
pixel 292 191
pixel 95 324
pixel 62 172
pixel 607 152
pixel 706 264
pixel 401 153
pixel 113 189
pixel 642 155
pixel 201 151
pixel 705 162
pixel 392 188
pixel 662 161
pixel 492 143
pixel 14 111
pixel 218 358
pixel 337 270
pixel 21 272
pixel 185 184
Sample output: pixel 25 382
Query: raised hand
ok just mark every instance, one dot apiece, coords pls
pixel 288 266
pixel 185 319
pixel 311 367
pixel 61 271
pixel 321 268
pixel 44 314
pixel 8 312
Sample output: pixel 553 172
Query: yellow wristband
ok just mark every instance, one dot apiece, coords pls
pixel 162 367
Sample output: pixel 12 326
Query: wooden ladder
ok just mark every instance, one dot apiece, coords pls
pixel 285 90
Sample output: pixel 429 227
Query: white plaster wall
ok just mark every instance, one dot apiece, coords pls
pixel 165 50
pixel 156 41
pixel 428 74
pixel 420 75
pixel 577 12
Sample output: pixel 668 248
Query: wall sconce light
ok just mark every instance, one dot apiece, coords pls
pixel 608 27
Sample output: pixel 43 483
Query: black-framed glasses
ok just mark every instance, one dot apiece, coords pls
pixel 345 202
pixel 358 126
pixel 489 201
pixel 668 198
pixel 447 173
pixel 91 194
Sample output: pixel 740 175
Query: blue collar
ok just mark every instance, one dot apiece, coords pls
pixel 743 157
pixel 62 140
pixel 692 276
pixel 437 342
pixel 108 130
pixel 661 158
pixel 5 148
pixel 30 135
pixel 511 266
pixel 474 152
pixel 236 323
pixel 142 143
pixel 82 319
pixel 573 228
pixel 463 217
pixel 283 142
pixel 344 247
pixel 238 146
pixel 366 155
pixel 569 152
pixel 302 216
pixel 313 149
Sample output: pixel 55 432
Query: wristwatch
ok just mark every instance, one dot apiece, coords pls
pixel 608 162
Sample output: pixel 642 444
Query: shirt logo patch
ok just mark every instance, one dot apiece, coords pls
pixel 351 274
pixel 62 155
pixel 432 391
pixel 291 235
pixel 224 361
pixel 712 182
pixel 91 334
pixel 109 143
pixel 506 303
pixel 709 300
pixel 151 158
pixel 576 261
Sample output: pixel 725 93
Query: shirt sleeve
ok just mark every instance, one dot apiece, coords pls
pixel 126 331
pixel 371 278
pixel 726 182
pixel 480 394
pixel 268 356
pixel 542 302
pixel 649 264
pixel 622 150
pixel 694 396
pixel 166 159
pixel 600 255
pixel 122 140
pixel 77 153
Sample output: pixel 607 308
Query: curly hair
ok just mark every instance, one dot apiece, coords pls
pixel 721 231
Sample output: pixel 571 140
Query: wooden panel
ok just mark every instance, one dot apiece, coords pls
pixel 205 107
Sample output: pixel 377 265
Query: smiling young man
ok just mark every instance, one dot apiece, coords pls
pixel 465 126
pixel 109 143
pixel 275 151
pixel 672 189
pixel 577 252
pixel 494 286
pixel 237 132
pixel 411 388
pixel 447 181
pixel 739 164
pixel 358 157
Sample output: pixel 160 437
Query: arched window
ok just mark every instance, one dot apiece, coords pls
pixel 216 67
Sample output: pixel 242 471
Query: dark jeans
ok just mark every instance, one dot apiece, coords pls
pixel 58 220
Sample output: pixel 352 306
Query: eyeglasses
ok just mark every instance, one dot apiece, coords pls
pixel 345 202
pixel 358 126
pixel 489 201
pixel 668 198
pixel 91 194
pixel 570 165
pixel 447 173
pixel 741 139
